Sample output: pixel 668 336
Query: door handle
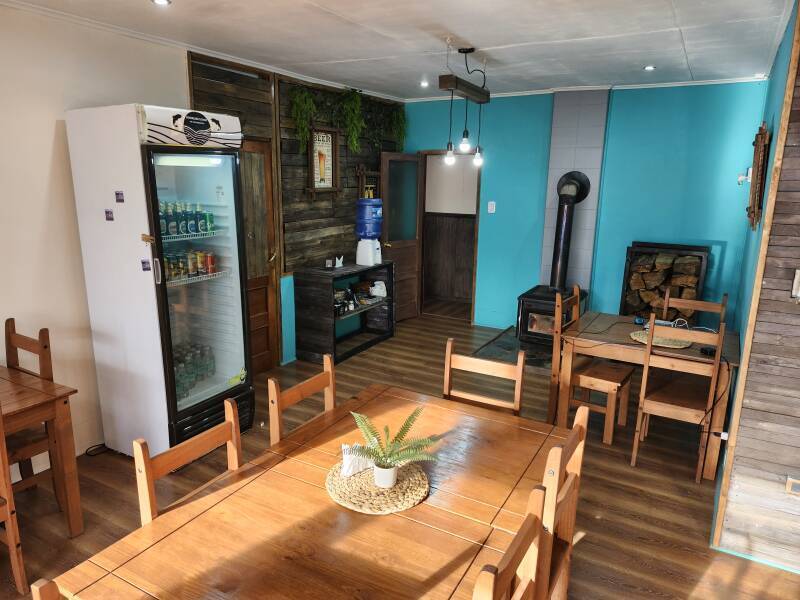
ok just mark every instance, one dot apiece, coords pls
pixel 251 235
pixel 157 270
pixel 272 258
pixel 387 244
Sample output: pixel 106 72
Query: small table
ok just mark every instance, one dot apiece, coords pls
pixel 608 336
pixel 27 401
pixel 270 530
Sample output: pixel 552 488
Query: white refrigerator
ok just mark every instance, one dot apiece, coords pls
pixel 160 219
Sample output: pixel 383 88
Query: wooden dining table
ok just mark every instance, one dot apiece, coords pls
pixel 27 401
pixel 607 336
pixel 270 530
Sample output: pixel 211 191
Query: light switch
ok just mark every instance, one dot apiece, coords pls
pixel 492 207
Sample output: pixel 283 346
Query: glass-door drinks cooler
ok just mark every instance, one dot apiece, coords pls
pixel 161 237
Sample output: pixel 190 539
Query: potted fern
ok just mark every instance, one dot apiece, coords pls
pixel 389 453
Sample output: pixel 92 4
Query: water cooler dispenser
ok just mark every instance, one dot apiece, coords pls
pixel 369 224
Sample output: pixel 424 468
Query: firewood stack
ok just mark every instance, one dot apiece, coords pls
pixel 651 275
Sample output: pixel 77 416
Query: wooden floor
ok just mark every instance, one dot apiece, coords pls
pixel 643 532
pixel 452 309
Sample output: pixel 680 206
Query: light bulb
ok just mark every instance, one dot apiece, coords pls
pixel 162 2
pixel 464 145
pixel 649 67
pixel 449 157
pixel 477 160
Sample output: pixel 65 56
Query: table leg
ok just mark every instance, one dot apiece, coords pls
pixel 68 481
pixel 724 382
pixel 610 417
pixel 565 383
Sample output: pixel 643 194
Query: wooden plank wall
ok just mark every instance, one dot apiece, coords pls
pixel 319 226
pixel 231 89
pixel 761 518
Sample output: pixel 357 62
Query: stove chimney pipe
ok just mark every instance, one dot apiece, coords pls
pixel 572 188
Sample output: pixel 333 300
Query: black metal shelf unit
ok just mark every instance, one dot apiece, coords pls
pixel 315 317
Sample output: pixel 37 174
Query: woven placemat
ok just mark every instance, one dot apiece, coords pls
pixel 664 342
pixel 359 492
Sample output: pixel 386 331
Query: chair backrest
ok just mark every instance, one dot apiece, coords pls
pixel 527 570
pixel 150 469
pixel 695 336
pixel 39 346
pixel 683 304
pixel 514 576
pixel 482 366
pixel 281 400
pixel 45 590
pixel 570 305
pixel 561 481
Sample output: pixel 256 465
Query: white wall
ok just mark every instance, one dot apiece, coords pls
pixel 451 188
pixel 49 66
pixel 576 144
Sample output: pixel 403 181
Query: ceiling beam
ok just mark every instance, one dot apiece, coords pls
pixel 463 88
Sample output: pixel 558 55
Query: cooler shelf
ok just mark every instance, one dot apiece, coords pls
pixel 197 279
pixel 182 237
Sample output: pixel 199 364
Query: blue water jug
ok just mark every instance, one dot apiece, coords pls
pixel 369 218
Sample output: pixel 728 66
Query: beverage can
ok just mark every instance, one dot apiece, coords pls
pixel 183 226
pixel 200 259
pixel 172 221
pixel 191 220
pixel 182 268
pixel 211 263
pixel 191 262
pixel 162 218
pixel 209 221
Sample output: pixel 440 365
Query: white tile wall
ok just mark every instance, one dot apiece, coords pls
pixel 576 144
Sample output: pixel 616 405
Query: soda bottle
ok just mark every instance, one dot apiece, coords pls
pixel 202 225
pixel 183 225
pixel 172 221
pixel 209 220
pixel 191 260
pixel 162 218
pixel 191 220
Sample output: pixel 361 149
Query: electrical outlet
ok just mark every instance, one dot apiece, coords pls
pixel 793 486
pixel 492 207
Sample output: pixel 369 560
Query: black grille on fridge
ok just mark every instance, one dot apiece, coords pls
pixel 536 307
pixel 215 414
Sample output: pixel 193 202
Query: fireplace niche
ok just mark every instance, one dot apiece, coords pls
pixel 651 269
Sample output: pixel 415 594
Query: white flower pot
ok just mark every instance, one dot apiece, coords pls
pixel 385 478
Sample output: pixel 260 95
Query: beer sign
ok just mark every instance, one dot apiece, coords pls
pixel 323 166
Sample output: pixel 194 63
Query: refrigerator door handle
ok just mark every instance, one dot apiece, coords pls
pixel 157 270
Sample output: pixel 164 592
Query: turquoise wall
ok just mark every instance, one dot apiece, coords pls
pixel 516 143
pixel 288 347
pixel 672 156
pixel 772 116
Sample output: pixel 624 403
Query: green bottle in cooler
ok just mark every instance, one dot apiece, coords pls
pixel 202 224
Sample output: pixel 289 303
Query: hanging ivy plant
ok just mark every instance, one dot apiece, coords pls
pixel 350 118
pixel 397 126
pixel 303 110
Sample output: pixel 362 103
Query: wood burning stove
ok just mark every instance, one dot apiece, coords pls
pixel 536 307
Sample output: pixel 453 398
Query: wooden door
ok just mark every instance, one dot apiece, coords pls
pixel 262 278
pixel 401 181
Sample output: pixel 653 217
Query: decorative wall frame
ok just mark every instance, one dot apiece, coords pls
pixel 758 175
pixel 323 160
pixel 368 179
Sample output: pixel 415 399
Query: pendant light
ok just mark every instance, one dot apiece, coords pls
pixel 449 157
pixel 464 146
pixel 477 160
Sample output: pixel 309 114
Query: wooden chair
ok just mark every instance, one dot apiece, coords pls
pixel 461 362
pixel 150 469
pixel 609 378
pixel 8 518
pixel 23 446
pixel 44 589
pixel 687 390
pixel 281 400
pixel 536 565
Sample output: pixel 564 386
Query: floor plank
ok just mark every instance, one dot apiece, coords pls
pixel 643 532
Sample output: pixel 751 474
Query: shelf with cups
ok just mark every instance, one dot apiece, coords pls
pixel 196 279
pixel 362 309
pixel 187 237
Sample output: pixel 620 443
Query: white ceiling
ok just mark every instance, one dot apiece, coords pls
pixel 388 46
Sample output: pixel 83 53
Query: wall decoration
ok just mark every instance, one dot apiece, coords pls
pixel 323 160
pixel 758 176
pixel 303 110
pixel 349 116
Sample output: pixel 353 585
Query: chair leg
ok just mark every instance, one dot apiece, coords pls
pixel 645 427
pixel 15 554
pixel 26 468
pixel 698 476
pixel 635 451
pixel 624 400
pixel 611 408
